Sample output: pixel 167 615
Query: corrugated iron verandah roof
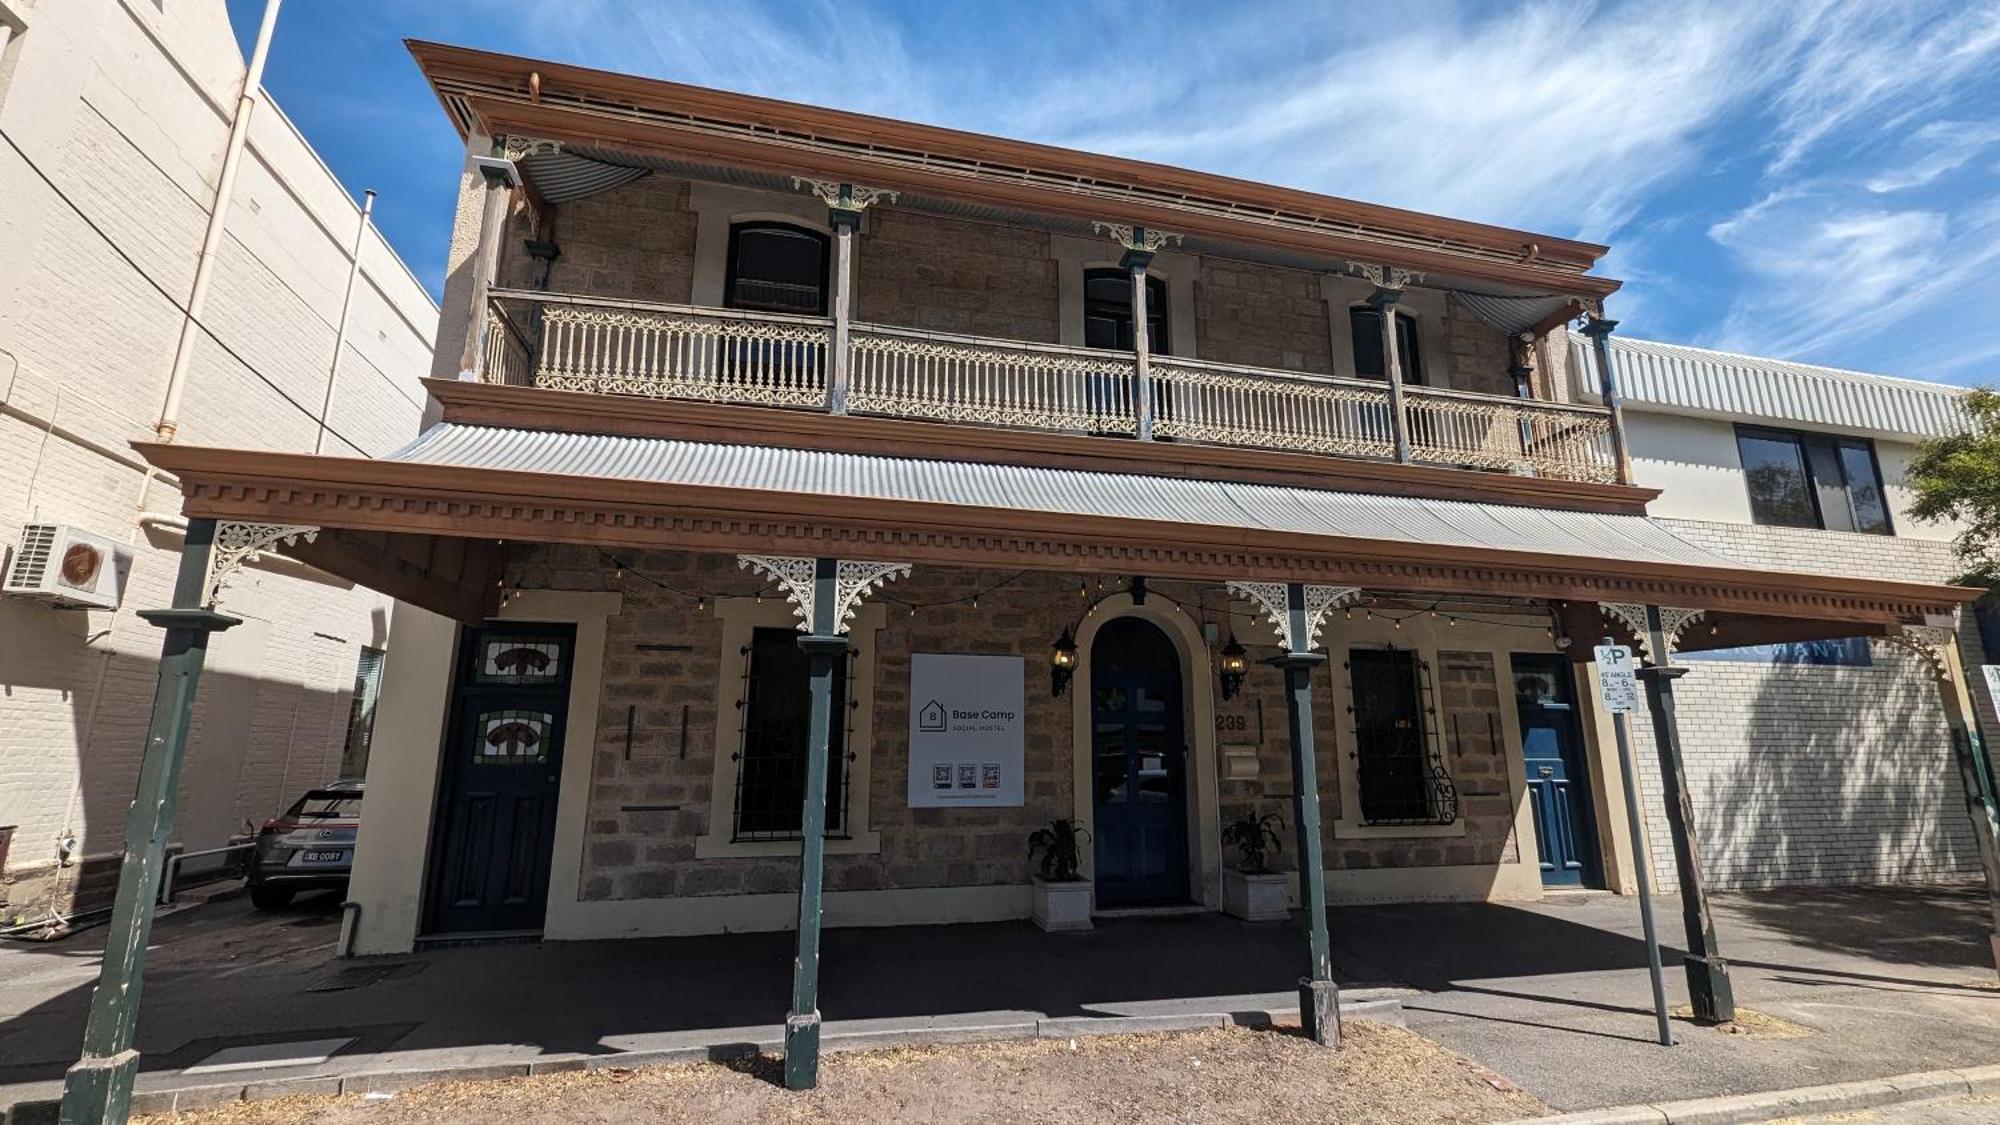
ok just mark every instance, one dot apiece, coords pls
pixel 1212 503
pixel 464 487
pixel 500 94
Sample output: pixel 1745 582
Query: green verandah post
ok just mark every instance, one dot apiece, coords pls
pixel 1709 990
pixel 824 645
pixel 1319 996
pixel 98 1089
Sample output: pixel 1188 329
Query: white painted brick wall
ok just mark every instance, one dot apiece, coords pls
pixel 1807 774
pixel 134 139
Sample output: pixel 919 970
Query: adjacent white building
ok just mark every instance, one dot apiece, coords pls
pixel 1815 763
pixel 113 121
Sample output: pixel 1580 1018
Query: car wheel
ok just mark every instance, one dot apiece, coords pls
pixel 271 898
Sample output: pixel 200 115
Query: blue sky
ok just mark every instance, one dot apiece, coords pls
pixel 1808 180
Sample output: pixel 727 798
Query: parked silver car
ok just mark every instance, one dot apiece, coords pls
pixel 310 847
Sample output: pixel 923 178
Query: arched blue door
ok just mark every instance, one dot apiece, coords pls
pixel 1138 765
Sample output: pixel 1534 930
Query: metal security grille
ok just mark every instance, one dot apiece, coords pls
pixel 774 713
pixel 1401 773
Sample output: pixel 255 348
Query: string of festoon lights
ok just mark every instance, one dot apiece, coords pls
pixel 622 570
pixel 1369 608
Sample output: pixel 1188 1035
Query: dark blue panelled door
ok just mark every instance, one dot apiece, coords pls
pixel 1138 766
pixel 496 816
pixel 1558 781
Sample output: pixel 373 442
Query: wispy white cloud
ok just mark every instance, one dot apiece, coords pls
pixel 1934 150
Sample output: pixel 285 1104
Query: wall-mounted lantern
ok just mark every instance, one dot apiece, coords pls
pixel 1062 662
pixel 1235 663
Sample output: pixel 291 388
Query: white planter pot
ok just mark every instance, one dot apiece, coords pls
pixel 1062 907
pixel 1257 898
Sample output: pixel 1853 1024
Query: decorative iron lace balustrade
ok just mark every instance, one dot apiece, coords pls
pixel 576 343
pixel 674 351
pixel 1227 405
pixel 933 375
pixel 1512 435
pixel 509 357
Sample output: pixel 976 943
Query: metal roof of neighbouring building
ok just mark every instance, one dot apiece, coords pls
pixel 1254 507
pixel 1687 380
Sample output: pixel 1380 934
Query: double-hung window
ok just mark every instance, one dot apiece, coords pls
pixel 1812 480
pixel 1364 325
pixel 776 267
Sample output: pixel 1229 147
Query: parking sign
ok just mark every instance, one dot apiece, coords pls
pixel 1617 682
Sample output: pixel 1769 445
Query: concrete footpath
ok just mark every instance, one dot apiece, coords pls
pixel 1849 985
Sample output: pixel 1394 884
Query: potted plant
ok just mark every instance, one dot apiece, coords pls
pixel 1062 896
pixel 1252 891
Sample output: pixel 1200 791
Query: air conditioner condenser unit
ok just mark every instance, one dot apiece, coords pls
pixel 68 566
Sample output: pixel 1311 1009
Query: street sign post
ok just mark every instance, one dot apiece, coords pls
pixel 1618 690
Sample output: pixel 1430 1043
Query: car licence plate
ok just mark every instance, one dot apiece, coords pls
pixel 333 856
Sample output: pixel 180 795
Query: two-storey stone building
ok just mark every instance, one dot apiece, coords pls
pixel 818 506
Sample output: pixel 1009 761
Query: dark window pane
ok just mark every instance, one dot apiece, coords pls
pixel 1389 736
pixel 1827 478
pixel 1107 311
pixel 1774 468
pixel 775 268
pixel 1864 487
pixel 1365 329
pixel 771 775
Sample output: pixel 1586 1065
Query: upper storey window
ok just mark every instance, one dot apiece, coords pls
pixel 1812 480
pixel 1365 325
pixel 1107 312
pixel 776 267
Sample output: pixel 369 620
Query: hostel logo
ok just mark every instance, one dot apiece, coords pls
pixel 931 717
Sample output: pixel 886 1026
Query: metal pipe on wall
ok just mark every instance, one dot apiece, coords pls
pixel 346 307
pixel 218 218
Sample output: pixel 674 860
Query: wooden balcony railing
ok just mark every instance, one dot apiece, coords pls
pixel 720 355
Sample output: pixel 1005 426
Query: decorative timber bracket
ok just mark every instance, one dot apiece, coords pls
pixel 1673 624
pixel 798 577
pixel 519 148
pixel 1320 602
pixel 845 197
pixel 239 543
pixel 1930 643
pixel 1386 277
pixel 1138 240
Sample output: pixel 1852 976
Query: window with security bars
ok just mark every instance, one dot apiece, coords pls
pixel 1401 779
pixel 776 710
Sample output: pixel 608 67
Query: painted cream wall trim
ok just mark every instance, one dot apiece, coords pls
pixel 390 856
pixel 1074 255
pixel 589 612
pixel 1426 305
pixel 741 617
pixel 1198 718
pixel 717 207
pixel 762 913
pixel 1607 788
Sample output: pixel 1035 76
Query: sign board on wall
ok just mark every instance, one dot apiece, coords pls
pixel 1617 679
pixel 968 716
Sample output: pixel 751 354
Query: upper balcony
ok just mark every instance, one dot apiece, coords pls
pixel 675 243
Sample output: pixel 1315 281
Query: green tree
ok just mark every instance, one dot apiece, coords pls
pixel 1958 478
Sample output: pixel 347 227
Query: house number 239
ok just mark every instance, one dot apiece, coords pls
pixel 1231 722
